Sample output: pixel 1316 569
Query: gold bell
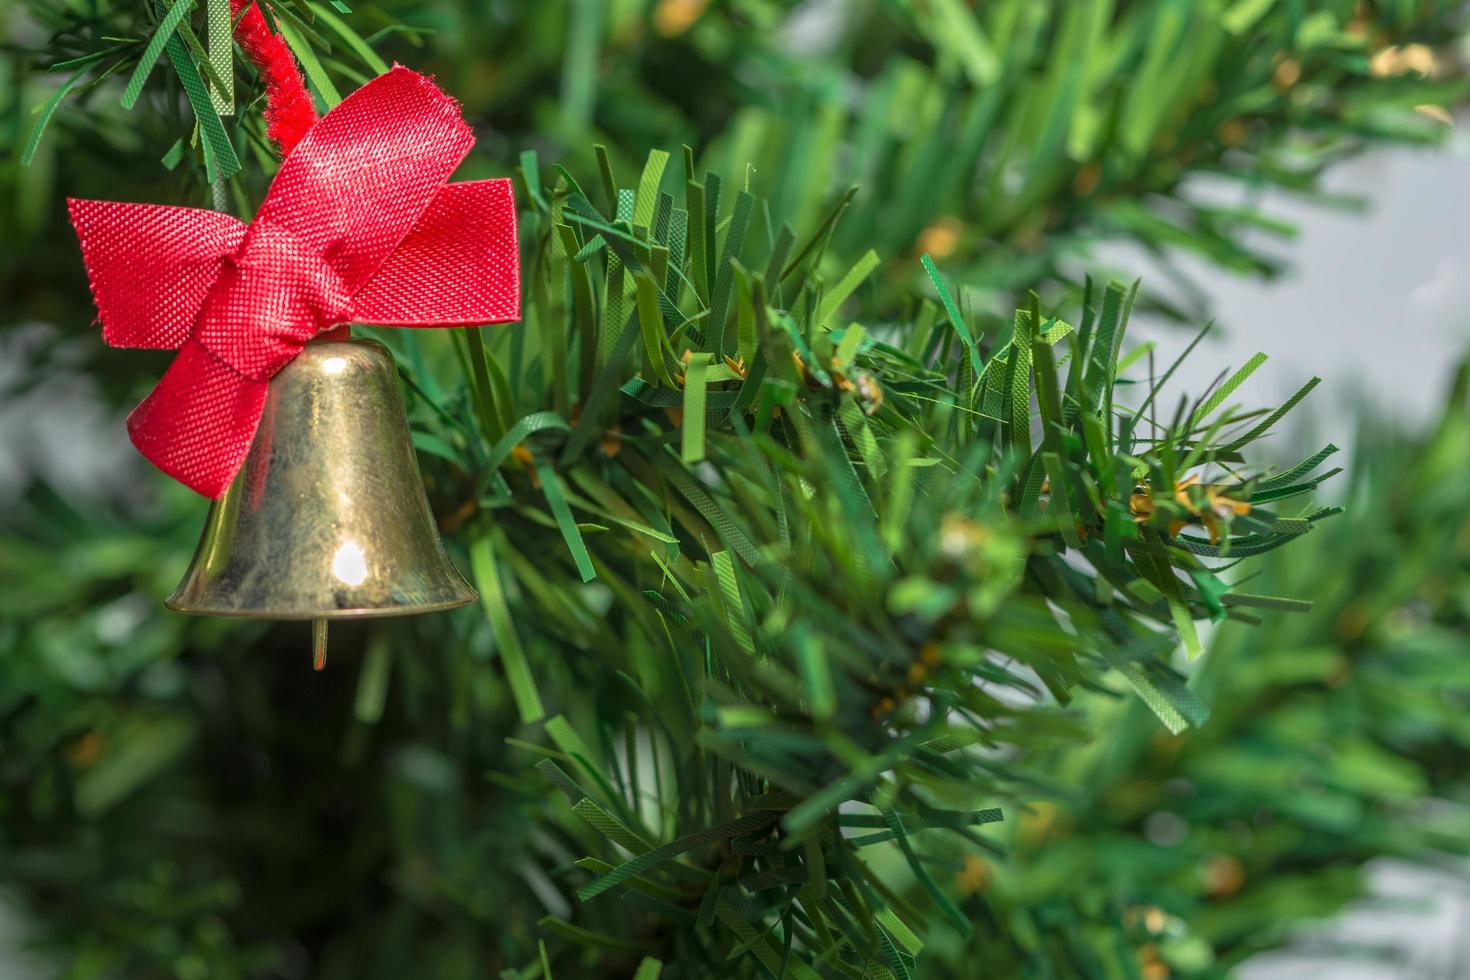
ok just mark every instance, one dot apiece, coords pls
pixel 328 518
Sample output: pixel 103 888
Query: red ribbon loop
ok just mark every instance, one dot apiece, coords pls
pixel 358 224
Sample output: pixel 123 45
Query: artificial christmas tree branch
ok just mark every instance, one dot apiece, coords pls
pixel 867 571
pixel 1330 751
pixel 806 580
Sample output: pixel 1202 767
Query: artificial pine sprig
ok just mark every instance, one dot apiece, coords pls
pixel 843 567
pixel 1333 743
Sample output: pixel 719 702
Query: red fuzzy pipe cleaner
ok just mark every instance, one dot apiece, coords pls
pixel 289 112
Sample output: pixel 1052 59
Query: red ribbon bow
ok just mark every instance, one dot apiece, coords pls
pixel 360 224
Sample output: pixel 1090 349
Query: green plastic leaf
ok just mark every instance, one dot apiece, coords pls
pixel 169 23
pixel 502 627
pixel 696 380
pixel 43 117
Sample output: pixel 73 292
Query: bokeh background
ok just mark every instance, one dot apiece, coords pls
pixel 183 798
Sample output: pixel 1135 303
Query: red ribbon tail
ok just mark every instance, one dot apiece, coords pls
pixel 198 423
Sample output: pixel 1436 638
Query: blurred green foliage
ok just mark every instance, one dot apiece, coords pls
pixel 786 597
pixel 1006 140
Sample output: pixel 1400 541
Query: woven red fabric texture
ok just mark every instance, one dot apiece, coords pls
pixel 359 224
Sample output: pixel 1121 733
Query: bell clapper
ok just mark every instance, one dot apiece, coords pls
pixel 318 644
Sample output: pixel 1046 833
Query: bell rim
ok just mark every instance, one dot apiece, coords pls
pixel 306 615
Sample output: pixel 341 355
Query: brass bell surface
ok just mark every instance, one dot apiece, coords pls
pixel 328 518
